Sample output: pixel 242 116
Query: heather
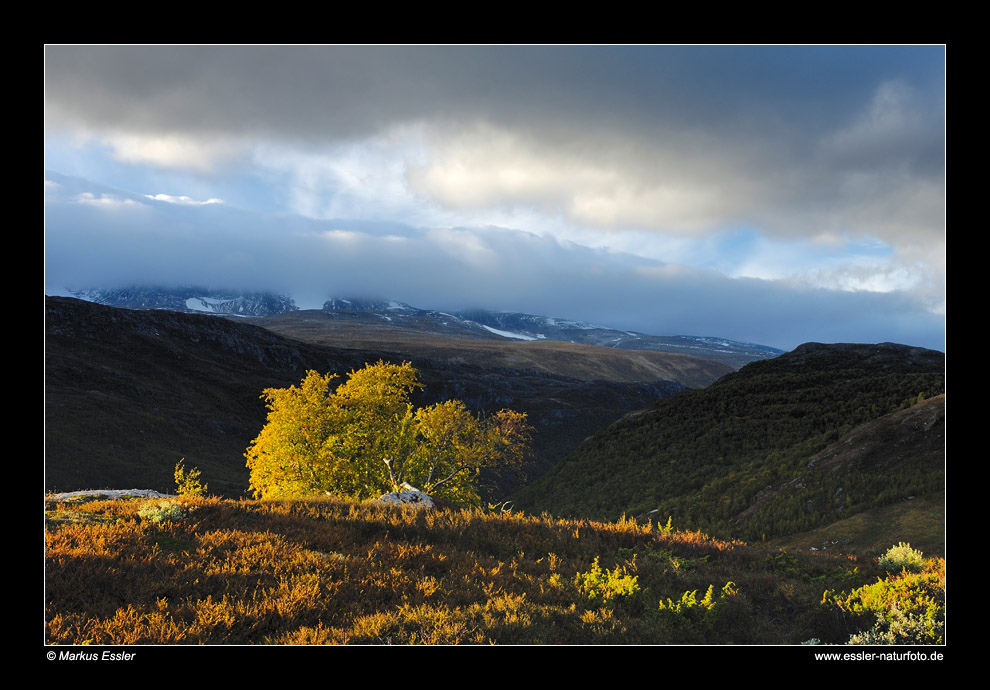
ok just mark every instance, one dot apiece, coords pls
pixel 334 571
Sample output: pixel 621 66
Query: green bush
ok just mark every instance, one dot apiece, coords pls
pixel 689 600
pixel 905 608
pixel 601 586
pixel 694 620
pixel 902 557
pixel 162 511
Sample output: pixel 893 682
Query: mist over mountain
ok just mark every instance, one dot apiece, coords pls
pixel 99 236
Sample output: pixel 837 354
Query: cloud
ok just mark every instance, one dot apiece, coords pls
pixel 893 130
pixel 172 151
pixel 604 186
pixel 803 140
pixel 454 268
pixel 182 199
pixel 106 201
pixel 622 178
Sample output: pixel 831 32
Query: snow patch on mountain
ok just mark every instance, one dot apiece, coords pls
pixel 509 334
pixel 195 299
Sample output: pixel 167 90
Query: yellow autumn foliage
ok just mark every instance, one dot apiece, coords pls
pixel 364 438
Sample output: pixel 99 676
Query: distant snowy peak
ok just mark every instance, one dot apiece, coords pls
pixel 526 326
pixel 356 304
pixel 711 343
pixel 244 305
pixel 194 299
pixel 481 323
pixel 474 323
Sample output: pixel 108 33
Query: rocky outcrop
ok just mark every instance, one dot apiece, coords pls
pixel 412 498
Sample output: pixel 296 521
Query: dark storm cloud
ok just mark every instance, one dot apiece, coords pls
pixel 330 91
pixel 797 140
pixel 801 147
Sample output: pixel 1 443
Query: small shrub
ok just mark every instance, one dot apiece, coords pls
pixel 689 600
pixel 902 557
pixel 894 626
pixel 666 529
pixel 188 483
pixel 162 511
pixel 601 586
pixel 693 620
pixel 784 564
pixel 905 608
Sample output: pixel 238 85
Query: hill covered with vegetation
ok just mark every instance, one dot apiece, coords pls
pixel 198 570
pixel 779 447
pixel 823 437
pixel 130 392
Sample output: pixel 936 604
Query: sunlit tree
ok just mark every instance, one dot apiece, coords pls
pixel 364 438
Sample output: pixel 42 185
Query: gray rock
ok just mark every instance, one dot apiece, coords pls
pixel 414 498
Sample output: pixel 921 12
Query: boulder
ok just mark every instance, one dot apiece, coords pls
pixel 414 498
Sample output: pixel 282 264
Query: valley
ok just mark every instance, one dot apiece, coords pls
pixel 130 392
pixel 657 465
pixel 475 345
pixel 781 447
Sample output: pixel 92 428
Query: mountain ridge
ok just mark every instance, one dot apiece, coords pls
pixel 475 323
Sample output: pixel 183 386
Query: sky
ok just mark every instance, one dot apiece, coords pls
pixel 768 194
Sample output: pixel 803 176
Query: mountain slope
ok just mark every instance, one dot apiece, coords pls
pixel 530 327
pixel 458 342
pixel 355 313
pixel 130 392
pixel 482 323
pixel 709 457
pixel 194 299
pixel 888 474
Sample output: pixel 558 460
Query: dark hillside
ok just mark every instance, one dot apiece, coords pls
pixel 880 484
pixel 739 457
pixel 128 393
